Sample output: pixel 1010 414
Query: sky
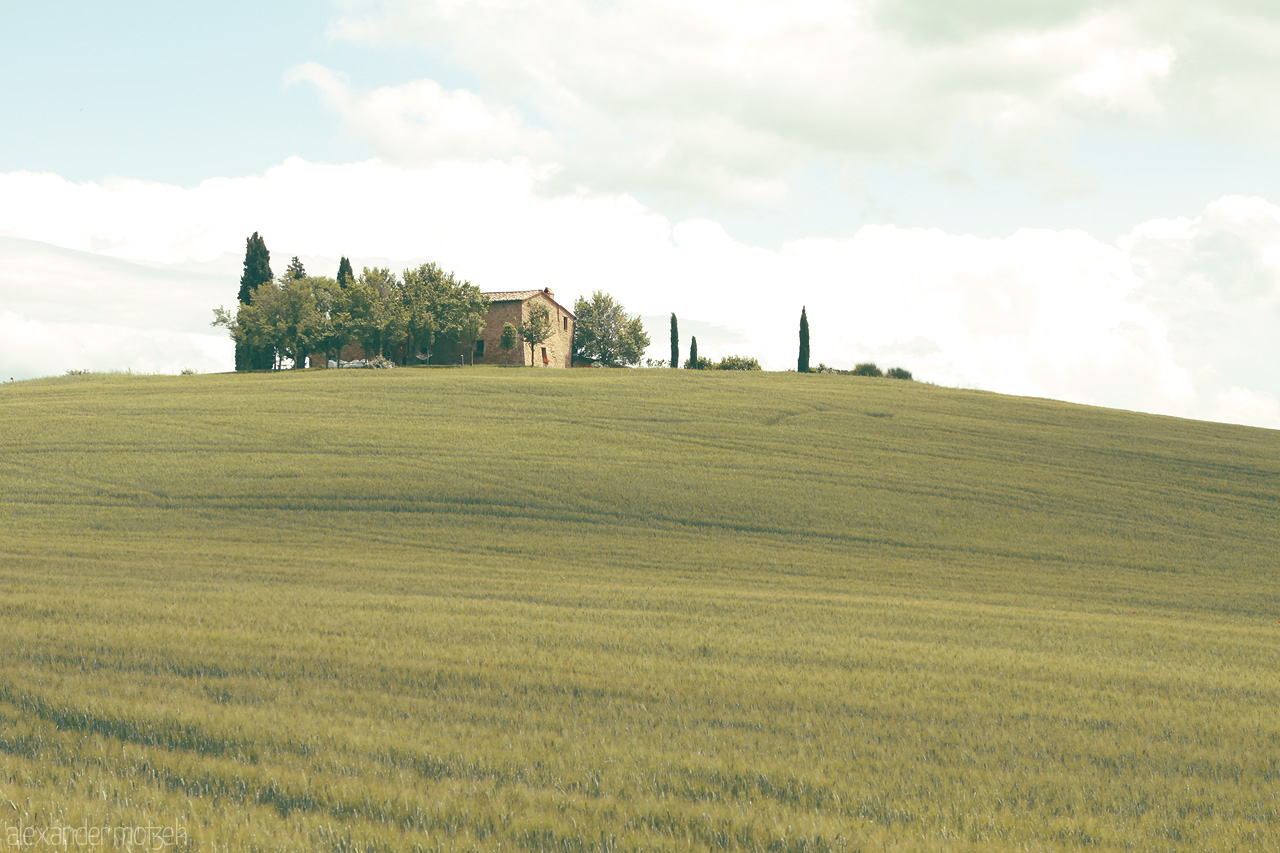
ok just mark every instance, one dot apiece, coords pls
pixel 1075 199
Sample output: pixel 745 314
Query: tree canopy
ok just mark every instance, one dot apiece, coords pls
pixel 605 333
pixel 288 316
pixel 299 314
pixel 439 307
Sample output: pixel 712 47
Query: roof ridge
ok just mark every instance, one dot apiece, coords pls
pixel 522 295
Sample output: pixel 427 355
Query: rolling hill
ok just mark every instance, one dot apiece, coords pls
pixel 571 610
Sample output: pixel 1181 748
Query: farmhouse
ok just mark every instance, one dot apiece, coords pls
pixel 510 306
pixel 513 307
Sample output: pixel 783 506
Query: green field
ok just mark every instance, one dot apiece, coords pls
pixel 574 610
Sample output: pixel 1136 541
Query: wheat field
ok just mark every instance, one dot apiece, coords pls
pixel 617 610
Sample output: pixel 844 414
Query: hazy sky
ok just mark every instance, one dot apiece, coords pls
pixel 1067 199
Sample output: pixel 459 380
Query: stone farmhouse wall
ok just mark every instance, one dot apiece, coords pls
pixel 513 308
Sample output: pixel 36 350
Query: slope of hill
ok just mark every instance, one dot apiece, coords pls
pixel 607 609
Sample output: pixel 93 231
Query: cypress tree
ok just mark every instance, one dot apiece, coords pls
pixel 257 271
pixel 802 364
pixel 257 267
pixel 675 342
pixel 295 270
pixel 693 353
pixel 346 275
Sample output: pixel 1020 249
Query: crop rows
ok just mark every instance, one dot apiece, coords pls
pixel 594 610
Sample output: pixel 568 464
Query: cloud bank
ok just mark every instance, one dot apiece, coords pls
pixel 62 309
pixel 1177 317
pixel 712 99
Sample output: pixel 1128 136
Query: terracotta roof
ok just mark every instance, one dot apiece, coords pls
pixel 522 295
pixel 511 295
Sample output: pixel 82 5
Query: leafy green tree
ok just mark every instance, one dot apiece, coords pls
pixel 346 275
pixel 229 320
pixel 467 310
pixel 675 342
pixel 288 317
pixel 342 306
pixel 536 329
pixel 302 316
pixel 509 339
pixel 295 269
pixel 419 292
pixel 257 271
pixel 802 363
pixel 378 311
pixel 439 308
pixel 606 334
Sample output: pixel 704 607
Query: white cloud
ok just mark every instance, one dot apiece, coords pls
pixel 421 123
pixel 1242 406
pixel 1124 80
pixel 65 310
pixel 730 100
pixel 1215 280
pixel 1178 318
pixel 30 348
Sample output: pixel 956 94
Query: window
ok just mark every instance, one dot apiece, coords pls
pixel 480 348
pixel 545 360
pixel 566 324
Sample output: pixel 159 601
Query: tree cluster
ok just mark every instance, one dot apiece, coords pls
pixel 426 310
pixel 296 315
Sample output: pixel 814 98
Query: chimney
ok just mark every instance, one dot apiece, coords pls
pixel 547 291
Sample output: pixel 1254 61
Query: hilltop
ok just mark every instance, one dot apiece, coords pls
pixel 565 609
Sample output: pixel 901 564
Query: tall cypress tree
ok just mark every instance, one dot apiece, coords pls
pixel 693 353
pixel 257 271
pixel 346 275
pixel 802 364
pixel 257 267
pixel 675 342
